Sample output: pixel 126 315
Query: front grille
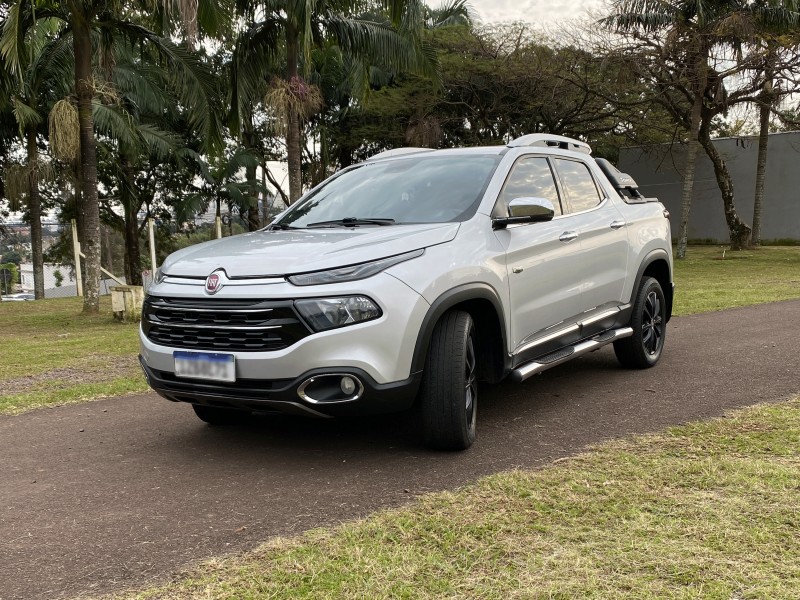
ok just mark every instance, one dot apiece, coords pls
pixel 220 325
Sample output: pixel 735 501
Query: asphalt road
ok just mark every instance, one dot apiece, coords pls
pixel 121 492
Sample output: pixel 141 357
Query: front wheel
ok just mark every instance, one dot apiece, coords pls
pixel 449 391
pixel 649 322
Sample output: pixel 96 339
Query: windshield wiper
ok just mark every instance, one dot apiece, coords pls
pixel 281 226
pixel 352 222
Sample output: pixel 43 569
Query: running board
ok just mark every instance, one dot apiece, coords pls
pixel 543 363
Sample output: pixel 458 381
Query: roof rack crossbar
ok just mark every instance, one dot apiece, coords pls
pixel 551 141
pixel 398 152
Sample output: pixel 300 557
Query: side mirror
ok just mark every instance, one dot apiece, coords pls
pixel 526 210
pixel 538 209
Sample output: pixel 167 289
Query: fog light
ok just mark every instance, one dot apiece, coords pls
pixel 348 385
pixel 329 388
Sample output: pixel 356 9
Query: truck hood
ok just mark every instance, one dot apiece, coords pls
pixel 275 253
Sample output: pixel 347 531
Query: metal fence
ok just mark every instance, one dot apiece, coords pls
pixel 59 281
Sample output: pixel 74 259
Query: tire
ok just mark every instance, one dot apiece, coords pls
pixel 214 415
pixel 649 322
pixel 449 389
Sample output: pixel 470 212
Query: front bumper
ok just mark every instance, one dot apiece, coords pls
pixel 281 395
pixel 379 352
pixel 383 348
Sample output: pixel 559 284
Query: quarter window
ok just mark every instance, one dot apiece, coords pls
pixel 578 185
pixel 530 177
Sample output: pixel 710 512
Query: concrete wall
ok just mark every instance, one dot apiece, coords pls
pixel 659 172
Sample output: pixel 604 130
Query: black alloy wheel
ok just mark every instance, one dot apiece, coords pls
pixel 649 323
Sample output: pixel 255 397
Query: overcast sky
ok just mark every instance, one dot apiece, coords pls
pixel 544 12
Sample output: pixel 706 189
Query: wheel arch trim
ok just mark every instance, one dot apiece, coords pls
pixel 652 257
pixel 449 299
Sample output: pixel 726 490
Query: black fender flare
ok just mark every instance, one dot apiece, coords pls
pixel 446 301
pixel 649 259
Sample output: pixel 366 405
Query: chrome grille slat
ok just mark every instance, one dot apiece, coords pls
pixel 231 310
pixel 226 326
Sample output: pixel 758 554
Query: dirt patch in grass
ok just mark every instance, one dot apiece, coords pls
pixel 94 368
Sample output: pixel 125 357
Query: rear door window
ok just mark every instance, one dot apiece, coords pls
pixel 578 184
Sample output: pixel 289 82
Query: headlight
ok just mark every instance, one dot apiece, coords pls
pixel 329 313
pixel 352 272
pixel 158 276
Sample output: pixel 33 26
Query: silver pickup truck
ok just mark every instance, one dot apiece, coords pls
pixel 409 278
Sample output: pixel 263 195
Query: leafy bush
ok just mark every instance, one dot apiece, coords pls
pixel 9 277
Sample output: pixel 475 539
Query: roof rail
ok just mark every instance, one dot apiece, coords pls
pixel 398 152
pixel 551 141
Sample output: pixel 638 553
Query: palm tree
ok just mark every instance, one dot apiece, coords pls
pixel 766 102
pixel 222 183
pixel 773 25
pixel 92 25
pixel 694 22
pixel 131 139
pixel 451 12
pixel 143 123
pixel 302 25
pixel 32 85
pixel 691 29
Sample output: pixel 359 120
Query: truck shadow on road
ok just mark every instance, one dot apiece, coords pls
pixel 505 410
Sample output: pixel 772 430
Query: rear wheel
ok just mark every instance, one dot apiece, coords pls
pixel 214 415
pixel 449 391
pixel 649 322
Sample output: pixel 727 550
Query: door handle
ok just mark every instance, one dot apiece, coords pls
pixel 568 236
pixel 617 224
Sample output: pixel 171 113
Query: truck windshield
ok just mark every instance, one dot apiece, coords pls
pixel 422 189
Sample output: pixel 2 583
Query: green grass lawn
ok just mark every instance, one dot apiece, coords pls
pixel 714 278
pixel 708 510
pixel 54 355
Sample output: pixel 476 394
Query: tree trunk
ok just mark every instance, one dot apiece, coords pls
pixel 35 208
pixel 250 174
pixel 265 202
pixel 133 257
pixel 82 46
pixel 130 204
pixel 738 230
pixel 253 217
pixel 761 170
pixel 700 76
pixel 688 175
pixel 293 130
pixel 765 98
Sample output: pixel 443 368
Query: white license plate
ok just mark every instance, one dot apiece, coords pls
pixel 205 365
